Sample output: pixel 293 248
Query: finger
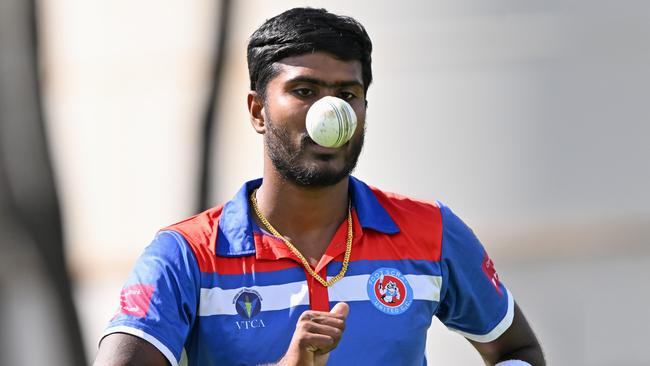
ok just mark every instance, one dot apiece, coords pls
pixel 313 342
pixel 312 315
pixel 334 332
pixel 335 335
pixel 341 308
pixel 319 343
pixel 331 321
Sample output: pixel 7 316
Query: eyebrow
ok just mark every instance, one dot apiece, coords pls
pixel 340 84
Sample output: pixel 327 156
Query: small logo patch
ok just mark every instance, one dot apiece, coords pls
pixel 491 273
pixel 248 303
pixel 389 291
pixel 135 300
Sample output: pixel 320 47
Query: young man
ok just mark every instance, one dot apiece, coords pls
pixel 309 265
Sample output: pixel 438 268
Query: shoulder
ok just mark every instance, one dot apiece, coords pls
pixel 419 223
pixel 404 209
pixel 413 213
pixel 198 229
pixel 425 220
pixel 199 232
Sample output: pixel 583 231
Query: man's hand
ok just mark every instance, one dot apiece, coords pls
pixel 316 334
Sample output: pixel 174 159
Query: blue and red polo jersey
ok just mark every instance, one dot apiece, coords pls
pixel 228 293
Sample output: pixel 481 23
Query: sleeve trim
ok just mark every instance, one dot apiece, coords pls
pixel 498 330
pixel 147 337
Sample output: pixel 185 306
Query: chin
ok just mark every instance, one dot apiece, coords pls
pixel 314 176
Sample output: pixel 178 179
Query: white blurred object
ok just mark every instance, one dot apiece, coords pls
pixel 331 122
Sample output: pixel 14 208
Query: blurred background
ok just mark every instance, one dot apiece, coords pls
pixel 530 119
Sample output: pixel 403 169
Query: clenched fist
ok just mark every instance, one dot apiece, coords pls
pixel 316 334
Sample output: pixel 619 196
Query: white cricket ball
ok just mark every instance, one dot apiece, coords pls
pixel 331 122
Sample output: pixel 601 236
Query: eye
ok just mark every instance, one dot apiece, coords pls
pixel 303 92
pixel 347 96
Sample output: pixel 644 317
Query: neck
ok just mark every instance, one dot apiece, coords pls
pixel 295 208
pixel 307 216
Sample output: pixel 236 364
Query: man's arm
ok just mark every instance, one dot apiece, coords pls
pixel 120 349
pixel 516 343
pixel 316 334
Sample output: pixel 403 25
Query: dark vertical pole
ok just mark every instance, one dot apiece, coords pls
pixel 29 188
pixel 212 107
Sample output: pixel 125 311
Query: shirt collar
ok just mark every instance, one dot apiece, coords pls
pixel 236 226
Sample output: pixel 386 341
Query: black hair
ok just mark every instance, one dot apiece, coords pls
pixel 304 30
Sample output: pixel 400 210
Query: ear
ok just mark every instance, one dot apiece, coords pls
pixel 256 112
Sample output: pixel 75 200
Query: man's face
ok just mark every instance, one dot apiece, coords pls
pixel 301 81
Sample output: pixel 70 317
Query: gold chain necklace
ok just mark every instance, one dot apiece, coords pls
pixel 294 250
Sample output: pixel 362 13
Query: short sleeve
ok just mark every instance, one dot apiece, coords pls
pixel 159 300
pixel 474 302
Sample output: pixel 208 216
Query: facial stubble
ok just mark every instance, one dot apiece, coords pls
pixel 293 164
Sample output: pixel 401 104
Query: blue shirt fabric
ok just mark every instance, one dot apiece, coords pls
pixel 230 294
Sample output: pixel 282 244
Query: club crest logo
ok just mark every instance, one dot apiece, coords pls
pixel 389 291
pixel 248 303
